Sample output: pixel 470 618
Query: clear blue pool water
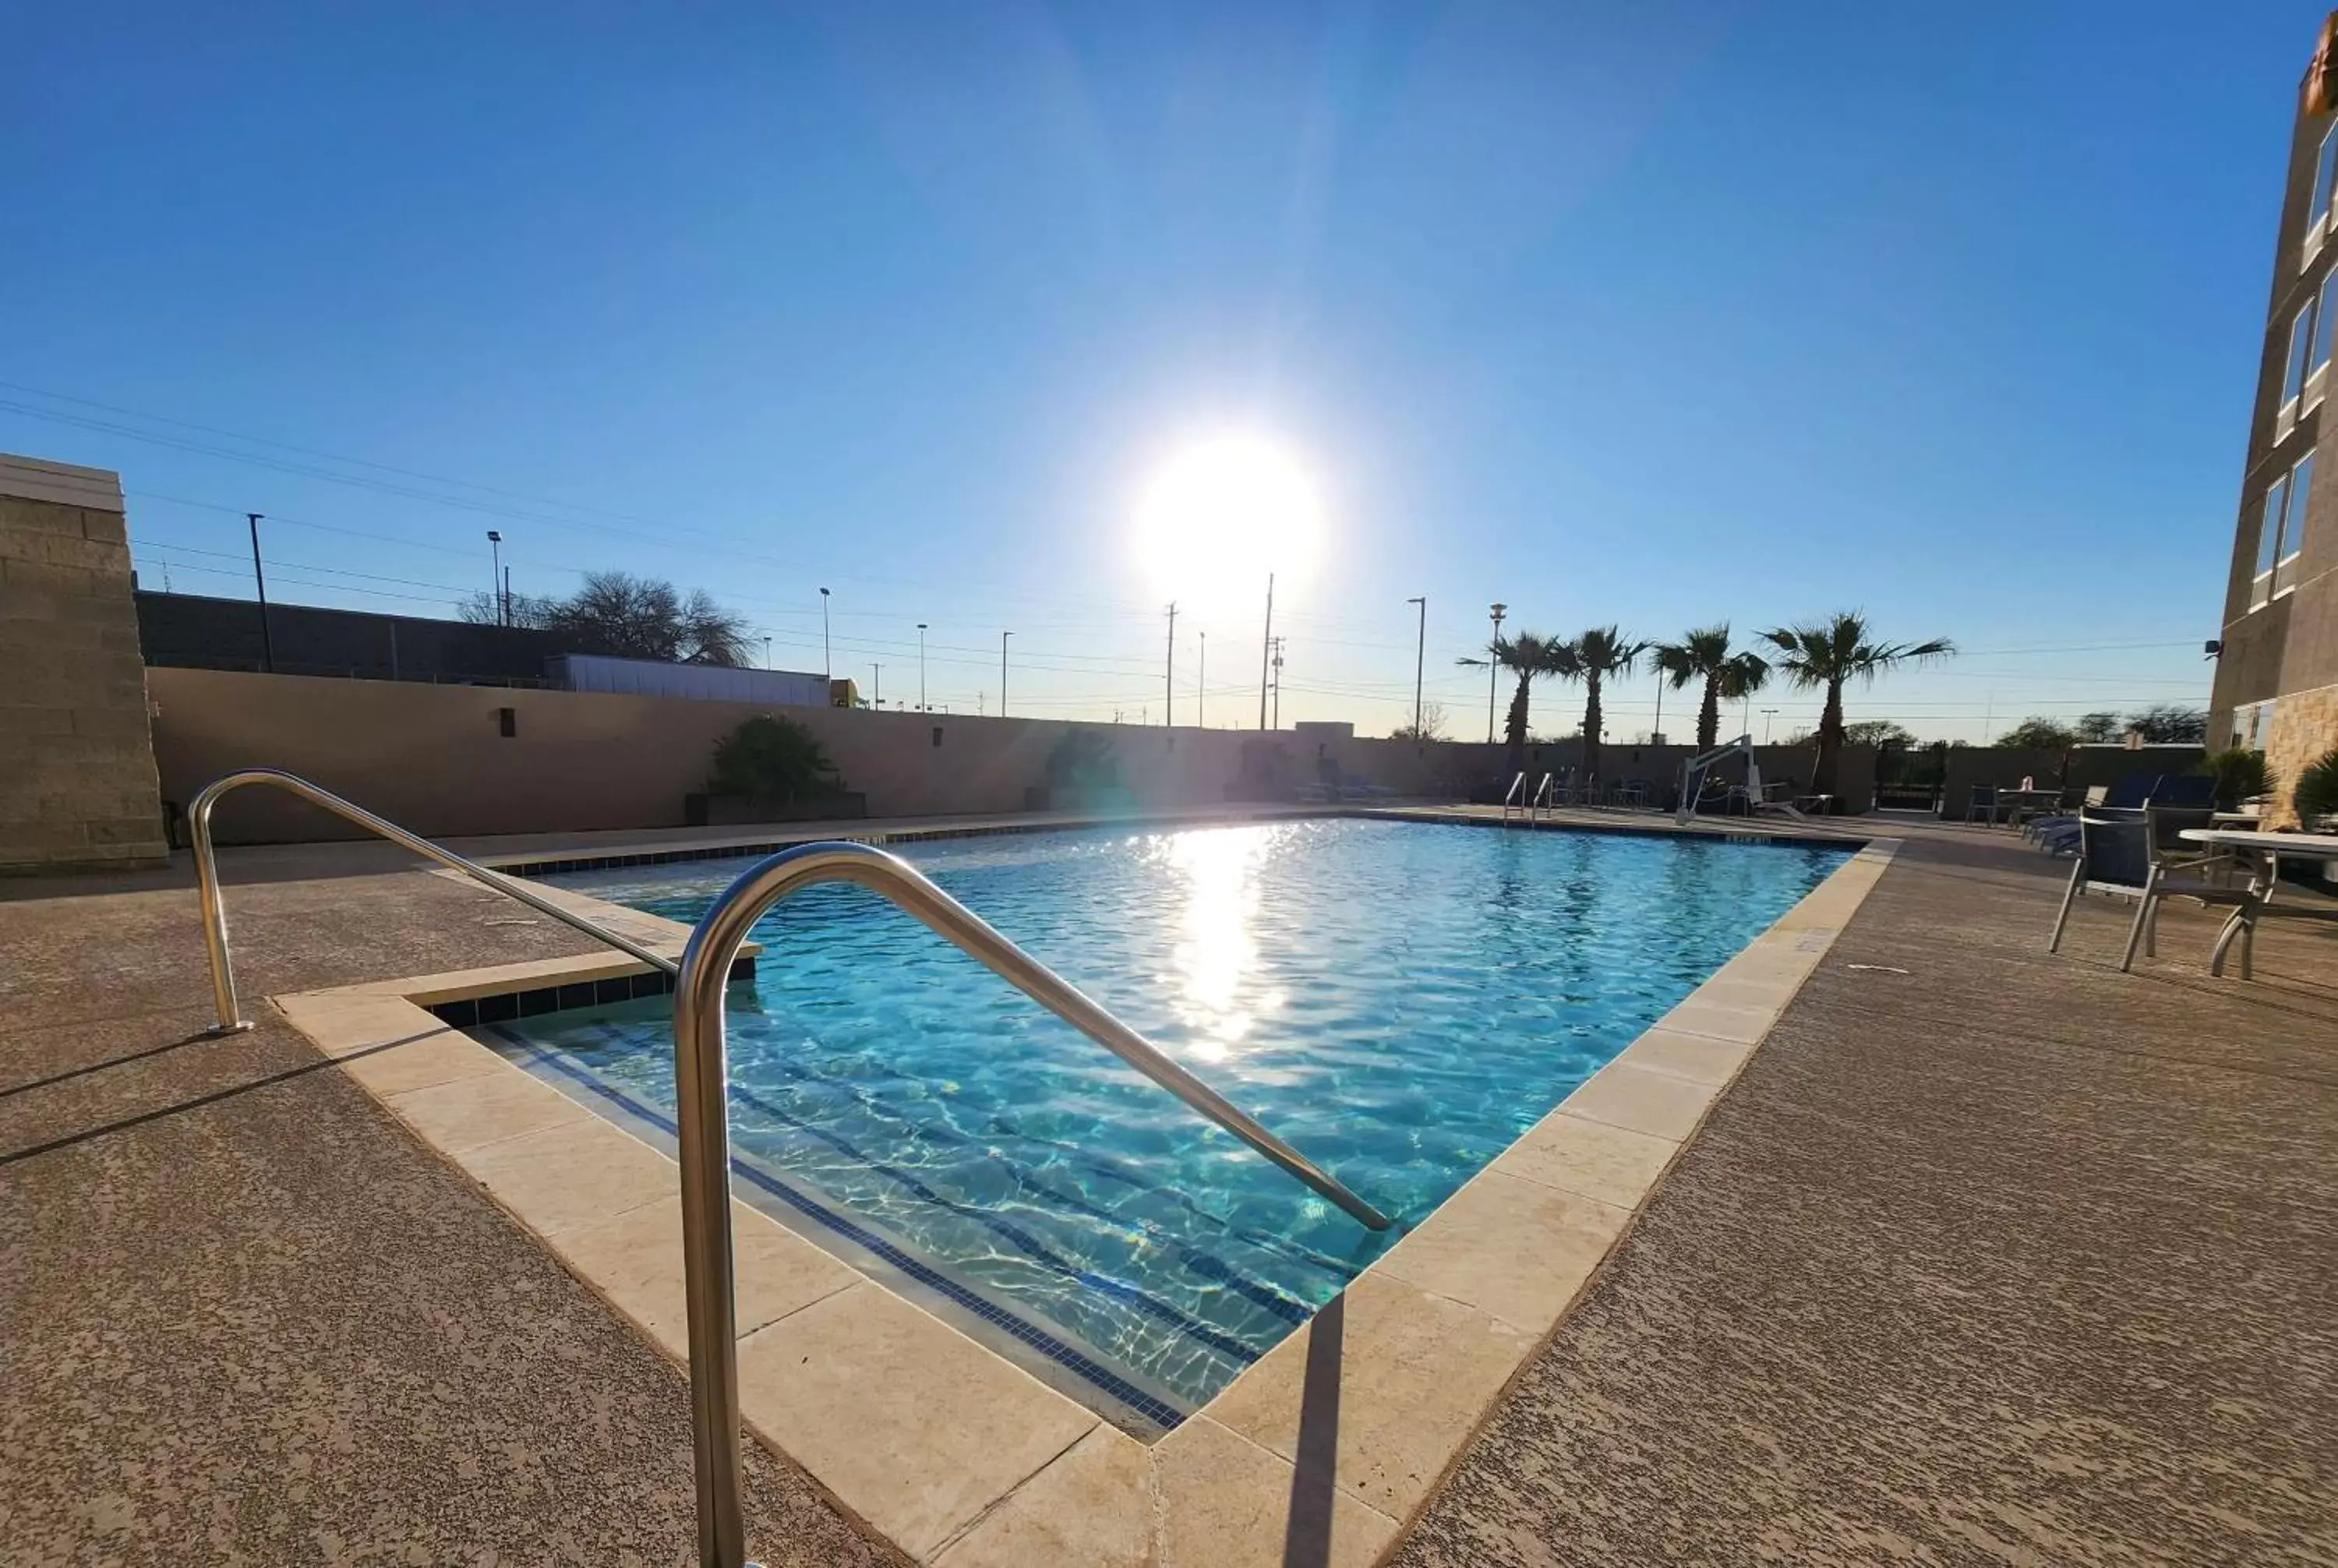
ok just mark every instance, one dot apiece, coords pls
pixel 1399 1001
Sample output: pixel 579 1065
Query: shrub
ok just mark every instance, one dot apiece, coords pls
pixel 2316 794
pixel 772 759
pixel 2239 774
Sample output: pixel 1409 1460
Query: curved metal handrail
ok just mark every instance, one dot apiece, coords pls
pixel 199 824
pixel 701 1081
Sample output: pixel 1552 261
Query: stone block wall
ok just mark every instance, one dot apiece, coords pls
pixel 2305 728
pixel 77 782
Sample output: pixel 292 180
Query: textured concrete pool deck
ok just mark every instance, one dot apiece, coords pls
pixel 2001 1258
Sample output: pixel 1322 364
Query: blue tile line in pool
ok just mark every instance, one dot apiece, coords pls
pixel 1102 1378
pixel 1280 1303
pixel 1266 1296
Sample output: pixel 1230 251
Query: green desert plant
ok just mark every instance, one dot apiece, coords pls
pixel 1829 654
pixel 1704 655
pixel 2316 793
pixel 2240 774
pixel 772 759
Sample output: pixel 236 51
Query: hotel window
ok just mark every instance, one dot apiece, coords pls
pixel 2251 724
pixel 2325 170
pixel 2325 318
pixel 2281 530
pixel 2301 344
pixel 2292 530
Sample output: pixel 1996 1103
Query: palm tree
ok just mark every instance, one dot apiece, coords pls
pixel 1526 655
pixel 1591 658
pixel 1828 654
pixel 1704 655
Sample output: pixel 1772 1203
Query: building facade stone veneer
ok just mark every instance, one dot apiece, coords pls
pixel 77 782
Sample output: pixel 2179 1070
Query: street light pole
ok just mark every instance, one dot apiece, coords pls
pixel 260 583
pixel 1169 674
pixel 496 577
pixel 1419 653
pixel 1202 686
pixel 1278 682
pixel 1003 636
pixel 1494 667
pixel 827 654
pixel 1265 650
pixel 877 686
pixel 922 707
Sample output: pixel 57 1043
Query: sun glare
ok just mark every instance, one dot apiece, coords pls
pixel 1223 514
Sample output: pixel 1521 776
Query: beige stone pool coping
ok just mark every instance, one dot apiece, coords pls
pixel 1321 1452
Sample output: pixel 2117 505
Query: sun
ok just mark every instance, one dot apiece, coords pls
pixel 1224 512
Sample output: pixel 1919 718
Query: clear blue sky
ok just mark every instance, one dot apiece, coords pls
pixel 1658 314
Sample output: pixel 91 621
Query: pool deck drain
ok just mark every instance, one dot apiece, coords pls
pixel 957 1456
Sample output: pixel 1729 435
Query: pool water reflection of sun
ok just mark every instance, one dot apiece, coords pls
pixel 1217 950
pixel 1223 513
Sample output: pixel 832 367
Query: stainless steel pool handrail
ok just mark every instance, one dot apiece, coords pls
pixel 1514 797
pixel 702 1077
pixel 230 1017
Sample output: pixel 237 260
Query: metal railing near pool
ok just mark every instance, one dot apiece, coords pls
pixel 703 1076
pixel 701 1062
pixel 228 1017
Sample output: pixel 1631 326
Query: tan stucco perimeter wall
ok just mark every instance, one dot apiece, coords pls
pixel 434 758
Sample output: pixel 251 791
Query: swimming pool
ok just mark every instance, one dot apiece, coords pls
pixel 1401 1001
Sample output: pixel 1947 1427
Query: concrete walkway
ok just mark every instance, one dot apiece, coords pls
pixel 246 1317
pixel 1988 1256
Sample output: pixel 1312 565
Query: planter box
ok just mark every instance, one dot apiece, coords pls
pixel 748 811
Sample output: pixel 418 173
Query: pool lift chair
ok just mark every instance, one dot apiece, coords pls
pixel 1694 770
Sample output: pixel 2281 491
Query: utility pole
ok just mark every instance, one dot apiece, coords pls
pixel 1419 654
pixel 1768 714
pixel 1494 667
pixel 767 653
pixel 1003 636
pixel 1202 685
pixel 1278 682
pixel 1265 650
pixel 495 580
pixel 827 654
pixel 1169 674
pixel 922 708
pixel 877 686
pixel 259 582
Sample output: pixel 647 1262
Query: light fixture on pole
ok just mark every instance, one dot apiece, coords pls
pixel 496 577
pixel 922 707
pixel 1494 667
pixel 827 654
pixel 1419 654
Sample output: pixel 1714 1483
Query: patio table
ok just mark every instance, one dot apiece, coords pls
pixel 2014 802
pixel 2264 853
